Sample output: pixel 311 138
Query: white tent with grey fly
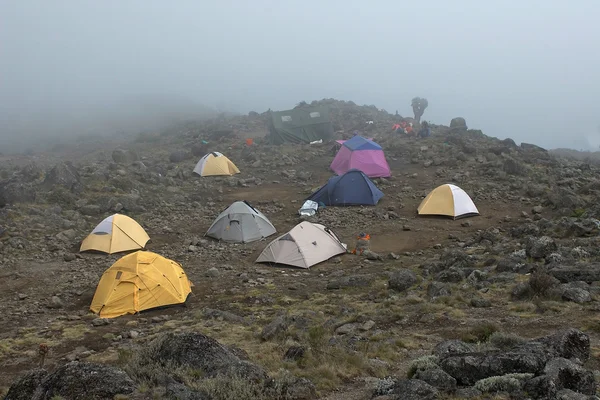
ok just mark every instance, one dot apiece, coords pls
pixel 303 246
pixel 241 223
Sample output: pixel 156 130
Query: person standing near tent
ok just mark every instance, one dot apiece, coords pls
pixel 363 242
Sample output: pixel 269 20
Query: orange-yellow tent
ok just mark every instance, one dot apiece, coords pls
pixel 215 163
pixel 140 281
pixel 115 234
pixel 448 200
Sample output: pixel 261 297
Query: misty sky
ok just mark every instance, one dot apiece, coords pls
pixel 529 70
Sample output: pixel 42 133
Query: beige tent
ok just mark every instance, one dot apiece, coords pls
pixel 305 245
pixel 448 200
pixel 115 234
pixel 215 163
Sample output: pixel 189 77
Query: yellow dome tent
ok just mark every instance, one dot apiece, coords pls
pixel 215 163
pixel 140 281
pixel 115 234
pixel 448 200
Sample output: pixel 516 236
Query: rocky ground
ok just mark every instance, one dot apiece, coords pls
pixel 497 306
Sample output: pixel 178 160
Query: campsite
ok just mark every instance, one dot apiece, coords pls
pixel 125 260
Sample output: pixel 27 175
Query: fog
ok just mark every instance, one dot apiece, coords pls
pixel 521 69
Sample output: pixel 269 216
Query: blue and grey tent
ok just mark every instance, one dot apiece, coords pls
pixel 350 189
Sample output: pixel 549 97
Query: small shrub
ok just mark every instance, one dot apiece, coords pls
pixel 505 383
pixel 422 364
pixel 480 332
pixel 578 213
pixel 541 283
pixel 505 341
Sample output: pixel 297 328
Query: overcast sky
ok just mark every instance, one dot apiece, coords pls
pixel 527 69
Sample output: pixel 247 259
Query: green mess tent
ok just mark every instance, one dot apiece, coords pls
pixel 300 125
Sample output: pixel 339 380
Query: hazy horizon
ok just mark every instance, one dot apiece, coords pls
pixel 524 70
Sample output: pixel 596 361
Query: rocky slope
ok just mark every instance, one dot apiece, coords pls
pixel 493 285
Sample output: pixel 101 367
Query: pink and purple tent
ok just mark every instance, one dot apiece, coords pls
pixel 362 154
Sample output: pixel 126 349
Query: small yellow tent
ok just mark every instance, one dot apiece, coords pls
pixel 215 163
pixel 448 200
pixel 115 234
pixel 140 281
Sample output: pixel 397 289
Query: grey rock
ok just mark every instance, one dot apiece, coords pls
pixel 63 174
pixel 401 280
pixel 412 389
pixel 121 156
pixel 25 387
pixel 179 156
pixel 350 281
pixel 212 272
pixel 589 273
pixel 437 289
pixel 274 328
pixel 452 347
pixel 195 350
pixel 452 274
pixel 75 380
pixel 540 247
pixel 470 368
pixel 100 322
pixel 224 315
pixel 576 295
pixel 568 375
pixel 437 378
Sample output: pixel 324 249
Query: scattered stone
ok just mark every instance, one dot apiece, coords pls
pixel 401 280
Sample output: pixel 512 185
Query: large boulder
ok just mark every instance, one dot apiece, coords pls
pixel 469 368
pixel 566 274
pixel 408 389
pixel 200 352
pixel 540 247
pixel 179 156
pixel 17 192
pixel 458 124
pixel 569 344
pixel 401 280
pixel 121 156
pixel 568 375
pixel 25 387
pixel 63 174
pixel 75 380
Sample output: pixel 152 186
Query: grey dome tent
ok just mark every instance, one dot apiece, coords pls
pixel 241 223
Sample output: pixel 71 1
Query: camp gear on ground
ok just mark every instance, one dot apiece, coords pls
pixel 448 200
pixel 137 282
pixel 300 125
pixel 115 234
pixel 362 154
pixel 309 208
pixel 363 242
pixel 241 223
pixel 214 164
pixel 303 246
pixel 348 189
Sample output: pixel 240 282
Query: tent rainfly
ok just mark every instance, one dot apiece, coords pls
pixel 241 223
pixel 349 189
pixel 448 200
pixel 140 281
pixel 214 164
pixel 115 234
pixel 362 154
pixel 303 246
pixel 303 124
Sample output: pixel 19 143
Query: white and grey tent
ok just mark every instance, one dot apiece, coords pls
pixel 303 246
pixel 241 223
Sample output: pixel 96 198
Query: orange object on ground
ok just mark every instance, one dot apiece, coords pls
pixel 249 141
